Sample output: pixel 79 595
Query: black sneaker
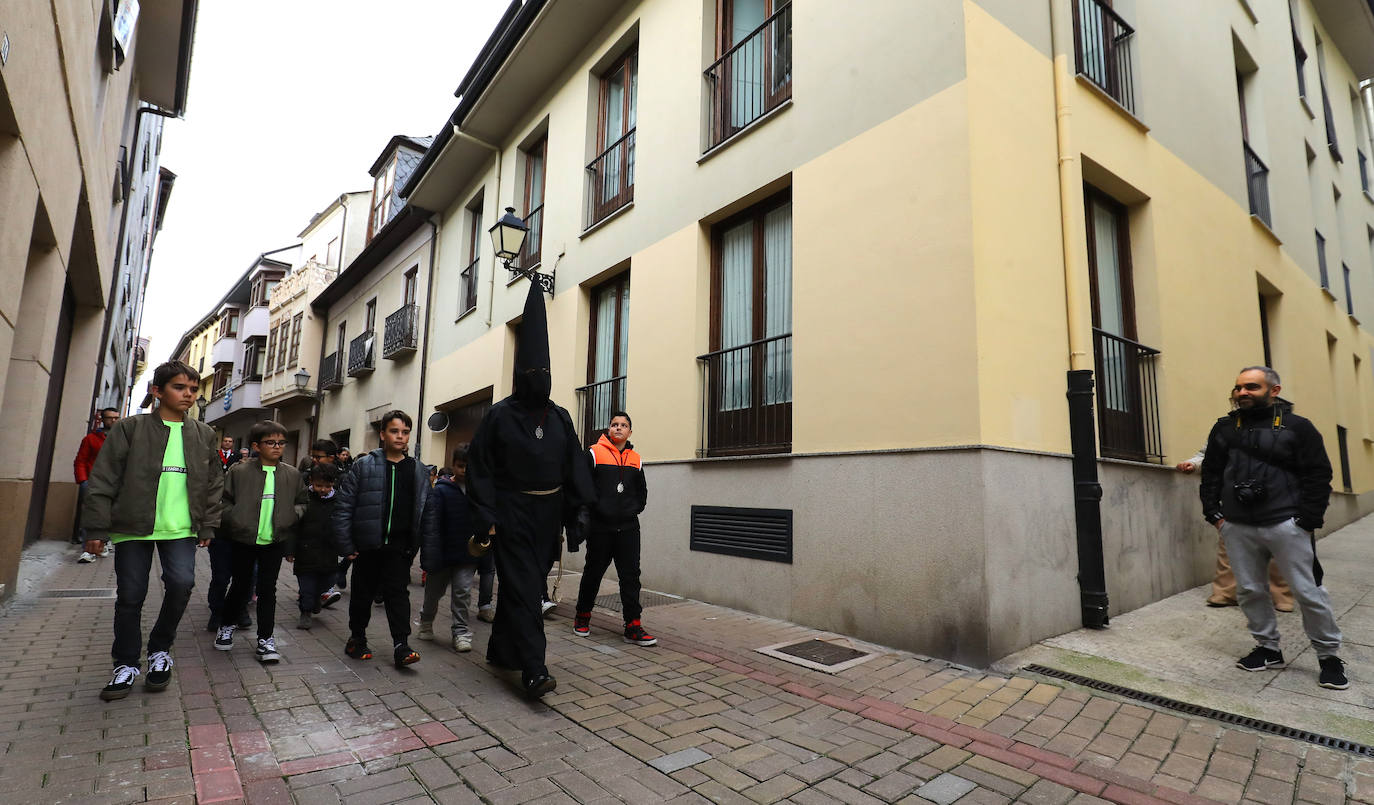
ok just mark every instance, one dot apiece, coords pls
pixel 1333 674
pixel 404 655
pixel 159 671
pixel 634 633
pixel 120 683
pixel 538 685
pixel 267 650
pixel 1261 659
pixel 224 638
pixel 356 647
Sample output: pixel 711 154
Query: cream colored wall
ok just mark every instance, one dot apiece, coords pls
pixel 291 297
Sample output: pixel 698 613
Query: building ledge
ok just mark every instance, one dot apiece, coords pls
pixel 746 131
pixel 1113 103
pixel 609 217
pixel 1263 227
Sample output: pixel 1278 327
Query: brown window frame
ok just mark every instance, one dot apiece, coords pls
pixel 296 324
pixel 532 251
pixel 1121 216
pixel 411 286
pixel 283 330
pixel 758 212
pixel 370 316
pixel 271 350
pixel 383 188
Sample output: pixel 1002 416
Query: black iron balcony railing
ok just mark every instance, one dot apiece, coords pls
pixel 531 251
pixel 467 299
pixel 750 79
pixel 1127 398
pixel 611 179
pixel 747 402
pixel 362 356
pixel 1257 183
pixel 402 333
pixel 598 401
pixel 330 375
pixel 1102 49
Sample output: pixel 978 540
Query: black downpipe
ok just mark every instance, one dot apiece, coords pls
pixel 1087 500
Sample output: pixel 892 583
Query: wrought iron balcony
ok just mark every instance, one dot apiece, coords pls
pixel 747 404
pixel 751 79
pixel 1102 49
pixel 330 376
pixel 362 354
pixel 1257 184
pixel 611 179
pixel 598 401
pixel 1127 398
pixel 468 293
pixel 402 333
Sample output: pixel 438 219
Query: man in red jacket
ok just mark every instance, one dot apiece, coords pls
pixel 81 467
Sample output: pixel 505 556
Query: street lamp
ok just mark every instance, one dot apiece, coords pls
pixel 507 238
pixel 303 381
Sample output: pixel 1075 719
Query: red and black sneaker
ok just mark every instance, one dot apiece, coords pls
pixel 582 624
pixel 357 649
pixel 404 655
pixel 634 633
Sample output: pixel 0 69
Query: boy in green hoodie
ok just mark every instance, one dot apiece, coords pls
pixel 155 486
pixel 263 500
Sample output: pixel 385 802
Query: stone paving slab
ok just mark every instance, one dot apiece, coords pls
pixel 701 717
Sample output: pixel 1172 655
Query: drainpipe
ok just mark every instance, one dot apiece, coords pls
pixel 1087 491
pixel 424 346
pixel 496 197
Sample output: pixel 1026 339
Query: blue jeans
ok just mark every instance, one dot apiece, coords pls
pixel 133 562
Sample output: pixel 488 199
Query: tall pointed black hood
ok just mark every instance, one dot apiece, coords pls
pixel 532 372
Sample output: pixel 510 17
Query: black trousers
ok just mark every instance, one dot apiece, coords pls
pixel 387 570
pixel 604 547
pixel 526 537
pixel 267 559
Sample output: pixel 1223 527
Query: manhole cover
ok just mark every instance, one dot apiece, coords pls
pixel 612 601
pixel 93 592
pixel 819 655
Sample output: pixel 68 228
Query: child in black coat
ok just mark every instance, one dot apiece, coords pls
pixel 444 553
pixel 312 551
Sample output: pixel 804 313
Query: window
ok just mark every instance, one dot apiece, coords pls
pixel 612 173
pixel 263 286
pixel 223 374
pixel 1349 300
pixel 467 286
pixel 296 325
pixel 341 341
pixel 752 74
pixel 534 202
pixel 408 294
pixel 608 355
pixel 382 188
pixel 1264 330
pixel 750 366
pixel 284 330
pixel 1326 104
pixel 253 355
pixel 332 255
pixel 1342 442
pixel 229 324
pixel 271 349
pixel 200 365
pixel 371 315
pixel 1321 261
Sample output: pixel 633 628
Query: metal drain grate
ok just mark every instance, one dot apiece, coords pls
pixel 1206 712
pixel 93 592
pixel 821 652
pixel 646 600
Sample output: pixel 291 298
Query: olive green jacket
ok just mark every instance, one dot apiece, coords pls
pixel 121 493
pixel 243 488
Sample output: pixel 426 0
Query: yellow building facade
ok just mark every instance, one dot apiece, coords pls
pixel 839 275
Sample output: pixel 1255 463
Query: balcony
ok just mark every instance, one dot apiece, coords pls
pixel 402 333
pixel 611 179
pixel 747 401
pixel 1257 185
pixel 597 402
pixel 468 293
pixel 362 356
pixel 1127 399
pixel 751 79
pixel 1102 50
pixel 330 376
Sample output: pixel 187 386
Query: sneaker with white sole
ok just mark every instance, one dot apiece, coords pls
pixel 267 650
pixel 426 631
pixel 224 638
pixel 462 643
pixel 1261 659
pixel 120 683
pixel 546 606
pixel 107 551
pixel 1332 673
pixel 634 633
pixel 330 597
pixel 87 557
pixel 159 671
pixel 486 614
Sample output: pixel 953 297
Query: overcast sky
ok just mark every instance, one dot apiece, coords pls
pixel 289 104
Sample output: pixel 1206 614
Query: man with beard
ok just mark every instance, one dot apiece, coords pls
pixel 1266 482
pixel 526 478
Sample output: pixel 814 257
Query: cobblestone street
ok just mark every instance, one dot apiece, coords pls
pixel 701 717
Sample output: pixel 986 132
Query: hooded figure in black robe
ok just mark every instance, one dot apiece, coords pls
pixel 527 478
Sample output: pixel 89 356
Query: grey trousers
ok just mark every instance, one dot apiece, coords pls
pixel 459 581
pixel 1250 548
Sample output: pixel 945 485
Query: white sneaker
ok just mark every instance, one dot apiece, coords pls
pixel 267 650
pixel 224 638
pixel 546 607
pixel 109 549
pixel 462 643
pixel 87 557
pixel 426 631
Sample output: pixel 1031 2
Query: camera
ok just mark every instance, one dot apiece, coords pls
pixel 1250 492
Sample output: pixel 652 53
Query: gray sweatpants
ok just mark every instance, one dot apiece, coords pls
pixel 1250 548
pixel 458 580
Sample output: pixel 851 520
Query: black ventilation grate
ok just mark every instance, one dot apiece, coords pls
pixel 1207 712
pixel 94 592
pixel 821 652
pixel 752 533
pixel 611 601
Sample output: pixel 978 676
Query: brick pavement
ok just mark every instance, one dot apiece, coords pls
pixel 702 717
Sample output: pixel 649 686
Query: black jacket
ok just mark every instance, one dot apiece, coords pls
pixel 313 545
pixel 1274 450
pixel 360 508
pixel 621 493
pixel 446 527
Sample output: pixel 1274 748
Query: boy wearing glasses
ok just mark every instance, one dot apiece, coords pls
pixel 263 500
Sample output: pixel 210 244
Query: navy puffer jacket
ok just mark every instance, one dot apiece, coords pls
pixel 361 495
pixel 446 527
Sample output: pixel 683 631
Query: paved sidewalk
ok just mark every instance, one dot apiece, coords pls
pixel 701 717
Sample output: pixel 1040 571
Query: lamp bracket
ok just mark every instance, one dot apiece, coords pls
pixel 545 281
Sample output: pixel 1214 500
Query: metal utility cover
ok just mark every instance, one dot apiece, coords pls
pixel 93 592
pixel 819 655
pixel 646 599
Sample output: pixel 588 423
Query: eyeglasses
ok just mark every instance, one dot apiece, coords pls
pixel 273 444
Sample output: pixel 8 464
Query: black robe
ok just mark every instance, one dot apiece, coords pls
pixel 505 459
